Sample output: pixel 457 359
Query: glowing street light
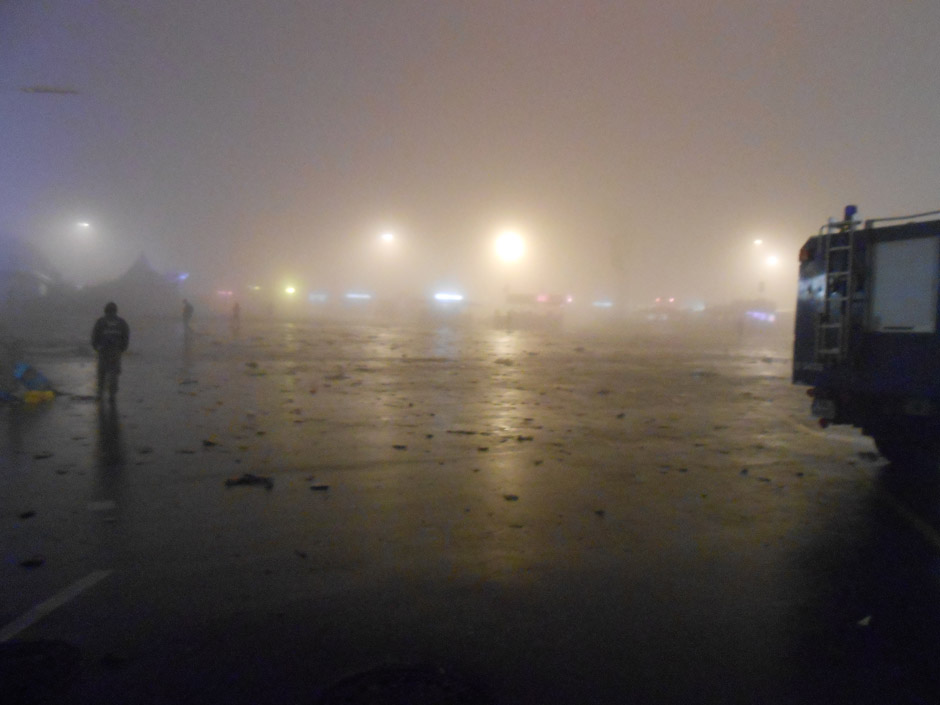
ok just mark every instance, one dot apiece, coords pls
pixel 510 247
pixel 290 290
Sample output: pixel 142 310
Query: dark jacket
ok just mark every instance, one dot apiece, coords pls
pixel 111 334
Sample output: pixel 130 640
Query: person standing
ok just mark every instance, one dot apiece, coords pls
pixel 187 314
pixel 110 337
pixel 236 318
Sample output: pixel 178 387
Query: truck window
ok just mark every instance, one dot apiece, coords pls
pixel 904 292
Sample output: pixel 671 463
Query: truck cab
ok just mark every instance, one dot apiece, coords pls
pixel 866 338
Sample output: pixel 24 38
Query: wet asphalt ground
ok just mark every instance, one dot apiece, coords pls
pixel 516 516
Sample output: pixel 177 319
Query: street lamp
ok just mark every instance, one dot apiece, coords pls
pixel 764 262
pixel 510 247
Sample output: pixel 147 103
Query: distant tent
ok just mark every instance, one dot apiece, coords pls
pixel 25 274
pixel 141 290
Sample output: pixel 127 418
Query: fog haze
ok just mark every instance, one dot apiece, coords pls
pixel 639 147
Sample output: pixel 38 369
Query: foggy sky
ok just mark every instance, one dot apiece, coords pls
pixel 639 146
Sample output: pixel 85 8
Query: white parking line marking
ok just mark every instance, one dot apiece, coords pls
pixel 44 608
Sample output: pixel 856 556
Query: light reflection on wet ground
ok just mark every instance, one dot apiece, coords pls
pixel 598 513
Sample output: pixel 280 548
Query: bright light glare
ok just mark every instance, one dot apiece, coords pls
pixel 388 237
pixel 83 225
pixel 762 316
pixel 602 304
pixel 443 296
pixel 358 297
pixel 773 261
pixel 758 243
pixel 290 290
pixel 510 246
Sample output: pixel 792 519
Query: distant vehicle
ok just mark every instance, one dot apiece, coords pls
pixel 866 335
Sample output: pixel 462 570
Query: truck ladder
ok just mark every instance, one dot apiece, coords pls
pixel 833 332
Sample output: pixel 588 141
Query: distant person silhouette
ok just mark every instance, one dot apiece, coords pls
pixel 236 317
pixel 110 338
pixel 187 313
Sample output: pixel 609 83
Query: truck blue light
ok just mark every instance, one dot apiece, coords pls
pixel 866 338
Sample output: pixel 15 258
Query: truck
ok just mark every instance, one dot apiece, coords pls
pixel 866 339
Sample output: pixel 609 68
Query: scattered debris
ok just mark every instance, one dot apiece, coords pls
pixel 504 361
pixel 482 449
pixel 511 497
pixel 102 505
pixel 621 415
pixel 537 462
pixel 208 443
pixel 187 382
pixel 600 513
pixel 524 438
pixel 429 435
pixel 319 488
pixel 34 562
pixel 743 471
pixel 300 554
pixel 42 456
pixel 145 450
pixel 463 433
pixel 28 514
pixel 400 447
pixel 252 365
pixel 249 479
